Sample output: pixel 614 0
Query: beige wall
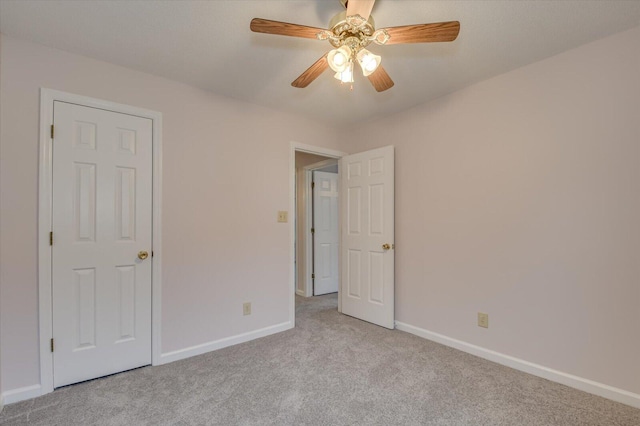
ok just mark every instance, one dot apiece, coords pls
pixel 306 159
pixel 1 205
pixel 520 197
pixel 226 174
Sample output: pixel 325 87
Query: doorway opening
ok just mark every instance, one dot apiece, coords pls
pixel 304 159
pixel 136 134
pixel 317 232
pixel 366 233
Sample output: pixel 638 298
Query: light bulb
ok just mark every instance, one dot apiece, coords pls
pixel 347 75
pixel 370 65
pixel 339 58
pixel 368 61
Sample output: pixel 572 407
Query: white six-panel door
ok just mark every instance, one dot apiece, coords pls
pixel 326 236
pixel 367 242
pixel 101 219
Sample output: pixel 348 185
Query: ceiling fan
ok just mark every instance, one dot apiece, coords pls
pixel 350 32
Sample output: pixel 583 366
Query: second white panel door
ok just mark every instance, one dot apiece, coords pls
pixel 326 236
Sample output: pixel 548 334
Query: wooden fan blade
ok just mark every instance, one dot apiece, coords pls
pixel 259 25
pixel 380 79
pixel 360 7
pixel 424 33
pixel 311 73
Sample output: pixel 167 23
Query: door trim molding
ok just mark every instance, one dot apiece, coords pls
pixel 310 149
pixel 47 97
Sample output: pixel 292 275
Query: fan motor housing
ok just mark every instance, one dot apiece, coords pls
pixel 343 30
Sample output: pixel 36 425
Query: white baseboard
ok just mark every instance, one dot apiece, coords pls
pixel 28 392
pixel 300 293
pixel 20 394
pixel 223 343
pixel 586 385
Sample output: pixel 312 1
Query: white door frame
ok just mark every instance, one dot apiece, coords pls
pixel 310 149
pixel 307 259
pixel 47 98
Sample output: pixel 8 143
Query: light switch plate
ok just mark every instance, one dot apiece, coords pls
pixel 283 217
pixel 246 308
pixel 483 320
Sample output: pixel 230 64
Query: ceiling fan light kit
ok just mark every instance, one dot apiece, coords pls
pixel 350 32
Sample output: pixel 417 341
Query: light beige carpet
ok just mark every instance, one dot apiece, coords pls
pixel 330 370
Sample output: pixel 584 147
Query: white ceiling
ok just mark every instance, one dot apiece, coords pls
pixel 208 44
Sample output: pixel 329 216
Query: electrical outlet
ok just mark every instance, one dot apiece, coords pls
pixel 246 308
pixel 283 217
pixel 483 320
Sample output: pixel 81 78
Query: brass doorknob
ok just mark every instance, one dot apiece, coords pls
pixel 386 246
pixel 143 255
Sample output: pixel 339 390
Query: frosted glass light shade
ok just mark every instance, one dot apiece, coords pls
pixel 339 58
pixel 368 61
pixel 346 76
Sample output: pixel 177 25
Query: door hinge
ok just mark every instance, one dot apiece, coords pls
pixel 51 238
pixel 313 231
pixel 313 185
pixel 52 132
pixel 313 276
pixel 51 344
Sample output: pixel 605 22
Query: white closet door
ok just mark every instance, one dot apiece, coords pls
pixel 102 210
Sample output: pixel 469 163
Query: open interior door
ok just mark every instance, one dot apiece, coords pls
pixel 367 237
